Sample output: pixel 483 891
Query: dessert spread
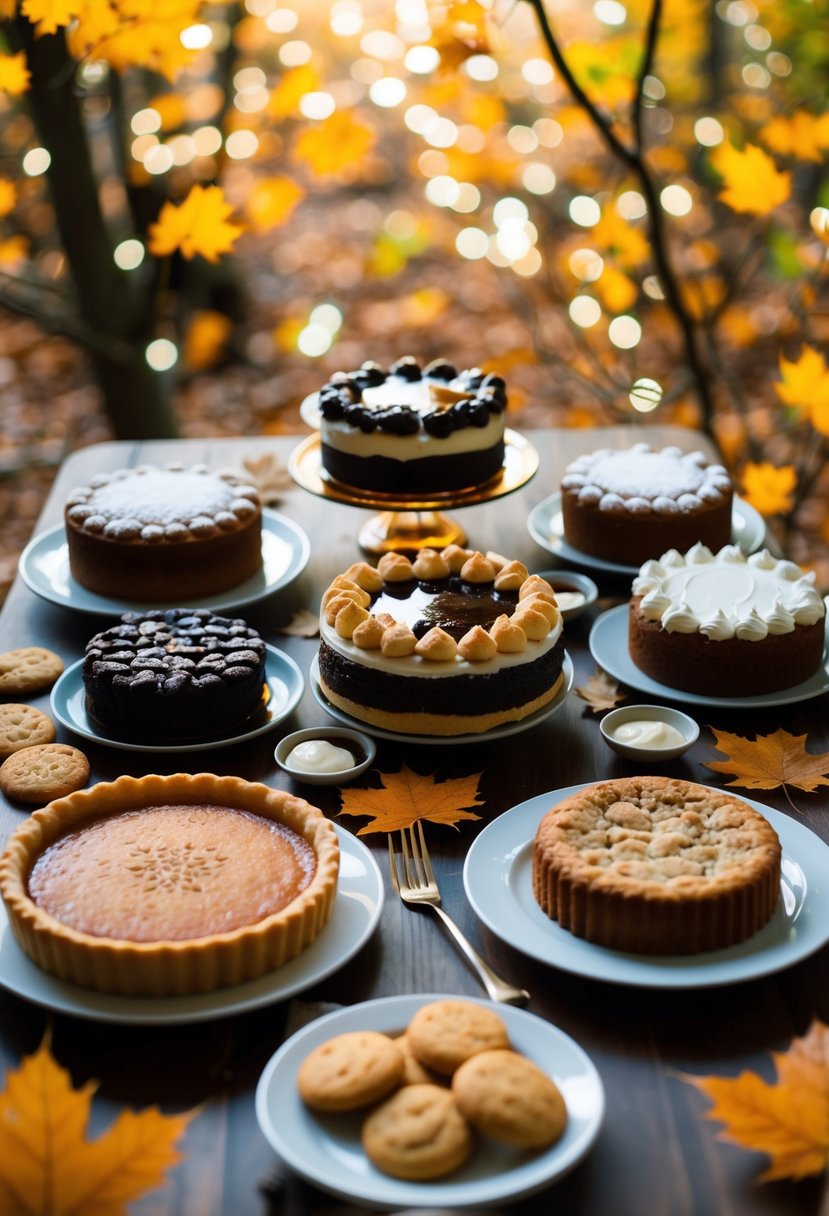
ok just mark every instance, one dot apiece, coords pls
pixel 645 732
pixel 726 625
pixel 164 886
pixel 654 865
pixel 626 506
pixel 455 642
pixel 178 673
pixel 412 430
pixel 319 756
pixel 163 534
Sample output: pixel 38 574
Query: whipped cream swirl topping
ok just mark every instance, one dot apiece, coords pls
pixel 643 481
pixel 727 594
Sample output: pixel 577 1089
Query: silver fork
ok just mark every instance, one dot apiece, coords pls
pixel 414 881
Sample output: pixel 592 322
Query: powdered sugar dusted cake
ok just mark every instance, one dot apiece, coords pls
pixel 724 624
pixel 626 506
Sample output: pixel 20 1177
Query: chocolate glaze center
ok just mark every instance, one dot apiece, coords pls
pixel 452 604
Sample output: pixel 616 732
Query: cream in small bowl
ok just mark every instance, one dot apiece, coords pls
pixel 322 755
pixel 574 592
pixel 648 732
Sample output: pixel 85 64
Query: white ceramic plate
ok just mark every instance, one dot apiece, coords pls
pixel 326 1149
pixel 546 527
pixel 487 736
pixel 608 643
pixel 283 677
pixel 354 918
pixel 44 568
pixel 497 878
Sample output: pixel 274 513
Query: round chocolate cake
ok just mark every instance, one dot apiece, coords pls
pixel 174 674
pixel 411 429
pixel 452 643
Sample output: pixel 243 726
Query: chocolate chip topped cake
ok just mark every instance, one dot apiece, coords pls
pixel 412 430
pixel 163 534
pixel 174 674
pixel 626 506
pixel 453 643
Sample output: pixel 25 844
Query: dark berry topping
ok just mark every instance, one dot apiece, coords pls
pixel 493 381
pixel 478 414
pixel 440 369
pixel 372 373
pixel 400 420
pixel 406 368
pixel 440 424
pixel 473 377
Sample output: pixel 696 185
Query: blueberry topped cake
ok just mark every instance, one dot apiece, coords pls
pixel 412 430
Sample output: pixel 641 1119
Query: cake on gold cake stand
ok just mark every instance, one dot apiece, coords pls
pixel 413 522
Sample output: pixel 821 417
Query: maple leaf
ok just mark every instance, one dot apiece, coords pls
pixel 767 488
pixel 303 624
pixel 461 33
pixel 751 181
pixel 198 227
pixel 800 136
pixel 272 201
pixel 406 797
pixel 624 240
pixel 292 87
pixel 8 196
pixel 269 475
pixel 804 379
pixel 770 761
pixel 601 692
pixel 47 1165
pixel 338 143
pixel 49 15
pixel 14 75
pixel 787 1120
pixel 135 33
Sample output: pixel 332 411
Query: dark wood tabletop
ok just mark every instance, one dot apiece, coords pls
pixel 655 1154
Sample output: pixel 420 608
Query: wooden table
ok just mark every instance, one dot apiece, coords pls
pixel 655 1153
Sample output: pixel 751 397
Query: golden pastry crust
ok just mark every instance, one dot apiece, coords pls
pixel 168 968
pixel 656 865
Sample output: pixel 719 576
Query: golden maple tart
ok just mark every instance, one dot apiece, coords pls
pixel 169 886
pixel 655 865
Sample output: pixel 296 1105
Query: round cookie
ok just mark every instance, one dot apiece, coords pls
pixel 414 1073
pixel 445 1033
pixel 350 1071
pixel 28 670
pixel 417 1134
pixel 505 1096
pixel 23 726
pixel 40 774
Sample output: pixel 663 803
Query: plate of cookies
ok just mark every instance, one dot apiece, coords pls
pixel 430 1101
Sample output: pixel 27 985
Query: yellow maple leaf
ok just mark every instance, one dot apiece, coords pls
pixel 50 15
pixel 47 1165
pixel 206 339
pixel 623 240
pixel 272 201
pixel 460 32
pixel 767 488
pixel 8 196
pixel 336 144
pixel 406 796
pixel 799 136
pixel 292 87
pixel 197 228
pixel 769 761
pixel 788 1120
pixel 135 33
pixel 601 692
pixel 14 75
pixel 804 381
pixel 752 183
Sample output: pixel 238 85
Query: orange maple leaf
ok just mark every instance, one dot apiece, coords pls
pixel 272 201
pixel 787 1120
pixel 198 227
pixel 601 692
pixel 770 761
pixel 292 87
pixel 752 182
pixel 803 379
pixel 767 488
pixel 50 15
pixel 336 144
pixel 801 136
pixel 406 796
pixel 14 75
pixel 48 1166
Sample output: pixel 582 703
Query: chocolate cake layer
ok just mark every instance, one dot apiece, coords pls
pixel 429 475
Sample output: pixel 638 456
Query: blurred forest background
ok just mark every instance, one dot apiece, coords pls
pixel 620 205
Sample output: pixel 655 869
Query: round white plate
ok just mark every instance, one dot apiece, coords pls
pixel 487 736
pixel 44 568
pixel 546 527
pixel 282 676
pixel 608 643
pixel 354 918
pixel 326 1149
pixel 497 877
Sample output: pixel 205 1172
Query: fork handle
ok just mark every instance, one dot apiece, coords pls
pixel 497 988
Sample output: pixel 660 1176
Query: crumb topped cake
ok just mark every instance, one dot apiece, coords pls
pixel 178 673
pixel 412 430
pixel 163 533
pixel 655 865
pixel 625 506
pixel 455 642
pixel 726 625
pixel 164 886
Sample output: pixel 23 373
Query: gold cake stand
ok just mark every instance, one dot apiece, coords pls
pixel 410 523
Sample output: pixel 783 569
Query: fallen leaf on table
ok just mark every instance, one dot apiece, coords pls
pixel 770 761
pixel 406 797
pixel 269 476
pixel 48 1167
pixel 601 692
pixel 789 1119
pixel 303 624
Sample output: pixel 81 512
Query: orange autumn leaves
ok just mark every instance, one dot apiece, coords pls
pixel 406 796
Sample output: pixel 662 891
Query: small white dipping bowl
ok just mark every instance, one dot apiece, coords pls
pixel 354 741
pixel 564 580
pixel 686 726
